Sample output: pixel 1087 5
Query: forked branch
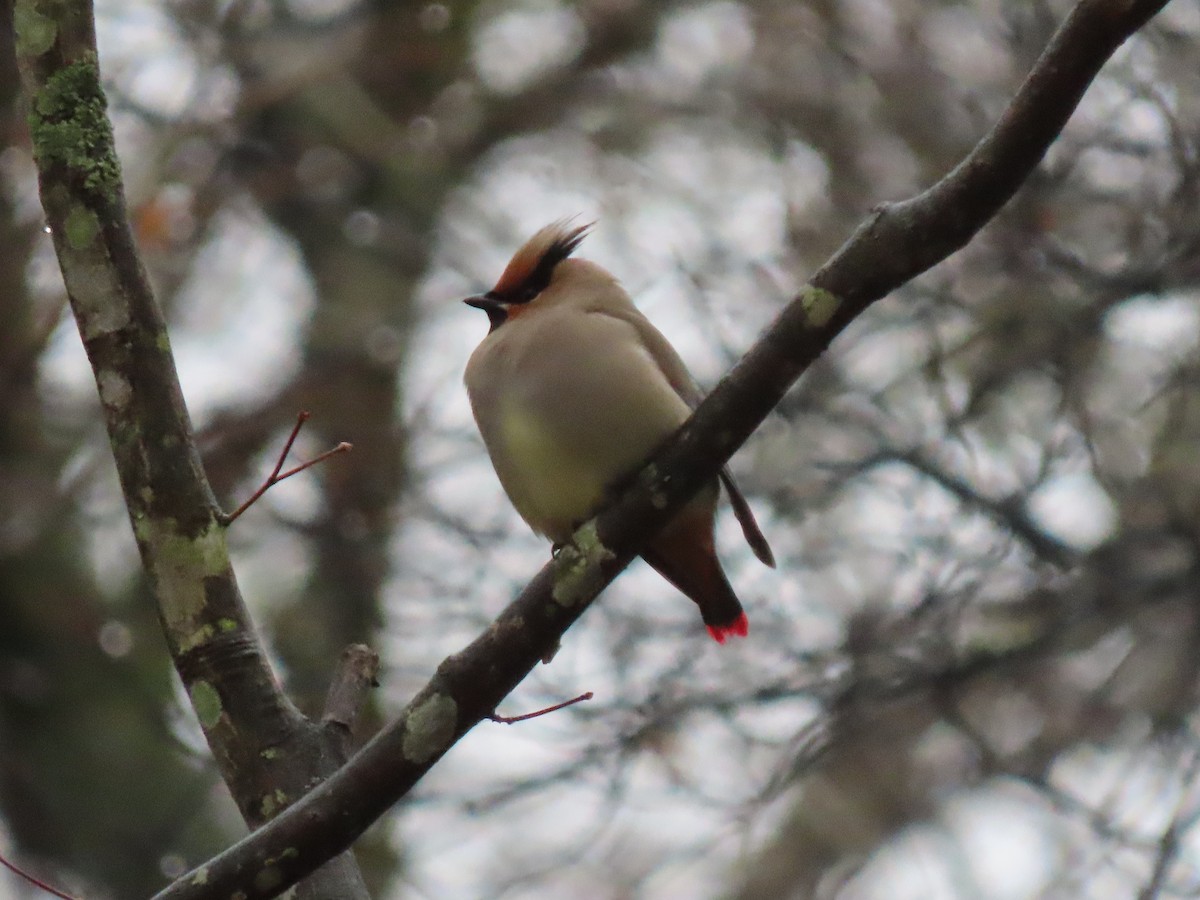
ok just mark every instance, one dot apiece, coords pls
pixel 277 475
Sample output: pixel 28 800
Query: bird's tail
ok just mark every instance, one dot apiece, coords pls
pixel 684 555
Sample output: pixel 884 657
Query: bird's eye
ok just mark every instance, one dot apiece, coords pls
pixel 527 294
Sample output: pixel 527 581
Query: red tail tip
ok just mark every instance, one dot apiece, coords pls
pixel 739 627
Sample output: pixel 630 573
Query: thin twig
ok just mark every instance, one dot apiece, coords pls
pixel 36 882
pixel 275 477
pixel 343 447
pixel 512 720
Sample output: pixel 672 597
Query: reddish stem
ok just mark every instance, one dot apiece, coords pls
pixel 36 882
pixel 511 720
pixel 275 477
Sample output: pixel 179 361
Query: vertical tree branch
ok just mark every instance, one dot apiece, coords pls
pixel 266 751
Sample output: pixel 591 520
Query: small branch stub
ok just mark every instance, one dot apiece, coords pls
pixel 352 680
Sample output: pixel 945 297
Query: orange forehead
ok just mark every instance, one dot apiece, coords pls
pixel 519 268
pixel 558 239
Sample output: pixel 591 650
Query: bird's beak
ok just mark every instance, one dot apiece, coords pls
pixel 496 310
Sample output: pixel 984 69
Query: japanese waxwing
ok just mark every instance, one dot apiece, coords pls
pixel 572 390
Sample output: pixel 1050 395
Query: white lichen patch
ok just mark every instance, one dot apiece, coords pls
pixel 90 281
pixel 819 306
pixel 577 567
pixel 115 390
pixel 179 565
pixel 429 728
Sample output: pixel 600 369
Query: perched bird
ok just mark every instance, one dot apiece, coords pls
pixel 572 390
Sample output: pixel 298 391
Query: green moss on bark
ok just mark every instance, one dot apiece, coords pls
pixel 70 127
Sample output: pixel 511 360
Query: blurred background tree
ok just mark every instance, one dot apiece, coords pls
pixel 975 671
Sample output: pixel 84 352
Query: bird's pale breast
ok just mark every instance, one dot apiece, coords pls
pixel 571 402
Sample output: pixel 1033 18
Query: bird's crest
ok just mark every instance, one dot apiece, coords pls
pixel 528 272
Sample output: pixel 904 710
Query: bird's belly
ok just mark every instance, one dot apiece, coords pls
pixel 574 408
pixel 553 481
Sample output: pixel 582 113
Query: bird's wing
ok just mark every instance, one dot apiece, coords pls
pixel 681 380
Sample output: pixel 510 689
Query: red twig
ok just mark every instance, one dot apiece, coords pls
pixel 36 882
pixel 275 477
pixel 511 720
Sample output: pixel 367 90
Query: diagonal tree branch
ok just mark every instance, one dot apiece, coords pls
pixel 895 244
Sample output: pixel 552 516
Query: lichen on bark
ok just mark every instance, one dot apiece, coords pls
pixel 577 573
pixel 430 728
pixel 69 126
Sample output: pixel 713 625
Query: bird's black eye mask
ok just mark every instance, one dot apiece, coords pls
pixel 538 279
pixel 517 288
